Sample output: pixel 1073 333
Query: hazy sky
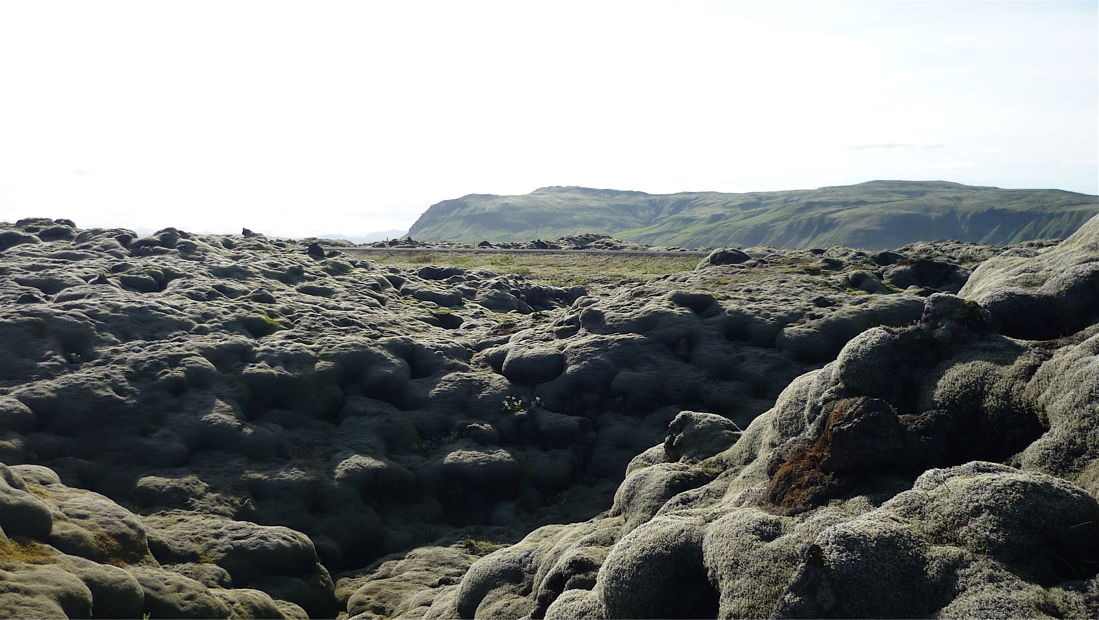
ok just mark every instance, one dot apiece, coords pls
pixel 301 118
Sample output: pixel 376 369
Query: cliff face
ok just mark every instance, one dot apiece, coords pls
pixel 873 215
pixel 215 426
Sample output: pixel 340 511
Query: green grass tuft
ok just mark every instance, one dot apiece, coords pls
pixel 478 546
pixel 558 270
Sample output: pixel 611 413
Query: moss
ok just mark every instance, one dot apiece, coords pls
pixel 478 546
pixel 113 553
pixel 424 259
pixel 972 313
pixel 261 324
pixel 306 459
pixel 800 483
pixel 434 442
pixel 520 404
pixel 40 491
pixel 561 282
pixel 29 552
pixel 558 270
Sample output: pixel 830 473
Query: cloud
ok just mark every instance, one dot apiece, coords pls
pixel 895 145
pixel 1073 162
pixel 944 165
pixel 79 172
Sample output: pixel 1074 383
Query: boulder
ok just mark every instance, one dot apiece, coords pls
pixel 920 272
pixel 727 256
pixel 472 476
pixel 657 571
pixel 1069 447
pixel 1046 296
pixel 16 416
pixel 246 550
pixel 867 282
pixel 527 364
pixel 646 491
pixel 501 577
pixel 751 556
pixel 698 436
pixel 90 525
pixel 169 595
pixel 160 492
pixel 578 604
pixel 29 591
pixel 409 584
pixel 925 548
pixel 821 339
pixel 12 238
pixel 21 512
pixel 497 300
pixel 277 559
pixel 50 282
pixel 251 603
pixel 116 593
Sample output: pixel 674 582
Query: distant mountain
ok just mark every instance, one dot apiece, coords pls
pixel 872 215
pixel 368 237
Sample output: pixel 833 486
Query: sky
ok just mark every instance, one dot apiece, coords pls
pixel 309 118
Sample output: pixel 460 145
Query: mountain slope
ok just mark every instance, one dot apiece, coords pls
pixel 872 215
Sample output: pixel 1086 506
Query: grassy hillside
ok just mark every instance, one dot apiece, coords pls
pixel 873 215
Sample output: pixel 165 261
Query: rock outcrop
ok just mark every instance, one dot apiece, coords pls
pixel 215 426
pixel 939 469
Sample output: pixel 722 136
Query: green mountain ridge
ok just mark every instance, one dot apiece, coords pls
pixel 871 215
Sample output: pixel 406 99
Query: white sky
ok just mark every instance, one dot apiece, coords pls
pixel 302 118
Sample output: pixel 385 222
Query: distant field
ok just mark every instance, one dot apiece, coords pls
pixel 557 269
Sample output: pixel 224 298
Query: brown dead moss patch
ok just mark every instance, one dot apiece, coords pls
pixel 40 491
pixel 29 552
pixel 110 551
pixel 800 483
pixel 1064 341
